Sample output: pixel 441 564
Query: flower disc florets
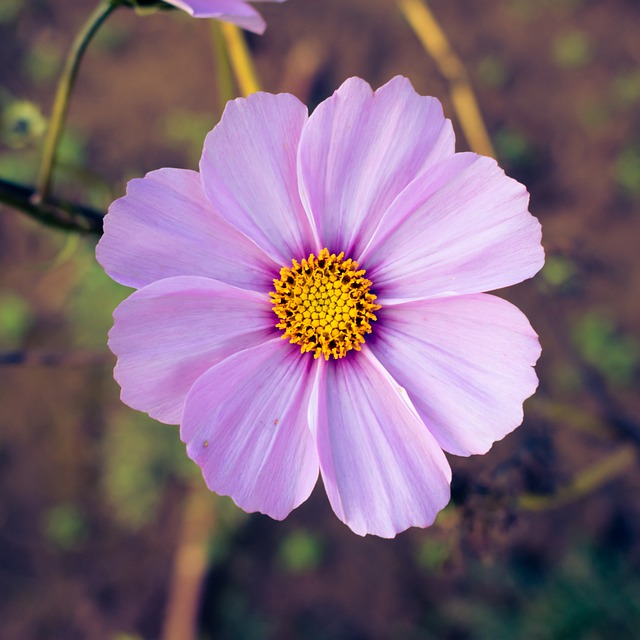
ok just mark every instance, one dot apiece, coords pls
pixel 324 304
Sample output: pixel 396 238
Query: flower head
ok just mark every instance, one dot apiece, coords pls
pixel 311 301
pixel 237 11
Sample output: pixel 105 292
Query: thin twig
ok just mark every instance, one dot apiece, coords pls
pixel 54 359
pixel 584 482
pixel 573 417
pixel 58 213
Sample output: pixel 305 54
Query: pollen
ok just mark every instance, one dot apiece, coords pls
pixel 324 304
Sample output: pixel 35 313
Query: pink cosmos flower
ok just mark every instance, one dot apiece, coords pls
pixel 237 11
pixel 385 363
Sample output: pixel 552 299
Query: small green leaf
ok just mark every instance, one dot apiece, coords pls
pixel 432 554
pixel 626 88
pixel 572 50
pixel 559 273
pixel 15 319
pixel 65 526
pixel 513 147
pixel 627 171
pixel 492 72
pixel 300 551
pixel 615 354
pixel 9 10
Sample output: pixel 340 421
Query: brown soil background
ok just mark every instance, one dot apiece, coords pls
pixel 92 495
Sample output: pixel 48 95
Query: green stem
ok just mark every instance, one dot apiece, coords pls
pixel 63 93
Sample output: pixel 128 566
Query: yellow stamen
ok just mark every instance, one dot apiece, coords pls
pixel 324 304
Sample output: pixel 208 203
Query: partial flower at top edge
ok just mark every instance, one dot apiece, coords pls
pixel 237 12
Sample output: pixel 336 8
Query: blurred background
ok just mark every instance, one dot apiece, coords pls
pixel 105 529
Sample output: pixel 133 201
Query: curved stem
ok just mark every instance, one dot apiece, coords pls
pixel 63 93
pixel 603 471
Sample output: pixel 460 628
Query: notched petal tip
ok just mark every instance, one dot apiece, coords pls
pixel 248 169
pixel 264 463
pixel 381 468
pixel 466 362
pixel 167 334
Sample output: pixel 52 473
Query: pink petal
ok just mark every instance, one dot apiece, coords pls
pixel 360 149
pixel 245 424
pixel 234 11
pixel 166 335
pixel 466 363
pixel 462 228
pixel 166 227
pixel 382 469
pixel 249 173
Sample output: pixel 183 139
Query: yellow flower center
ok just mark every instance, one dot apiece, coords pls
pixel 324 304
